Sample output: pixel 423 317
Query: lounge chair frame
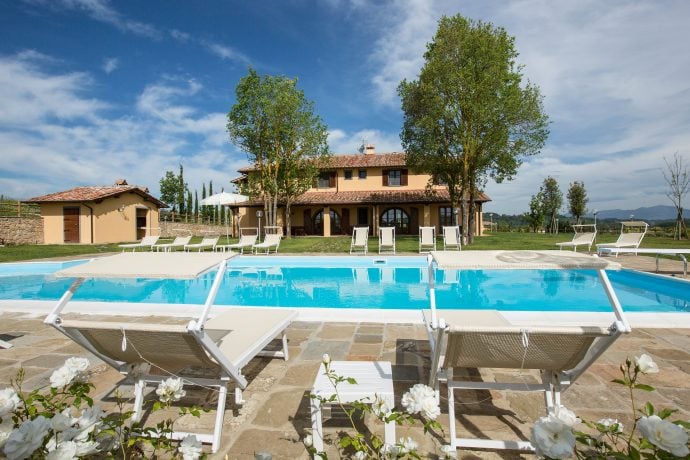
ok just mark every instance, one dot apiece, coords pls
pixel 627 239
pixel 178 242
pixel 454 346
pixel 427 239
pixel 146 242
pixel 207 242
pixel 202 345
pixel 387 240
pixel 360 240
pixel 246 241
pixel 585 235
pixel 452 239
pixel 271 242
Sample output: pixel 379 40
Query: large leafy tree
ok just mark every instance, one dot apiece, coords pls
pixel 535 216
pixel 285 140
pixel 469 116
pixel 552 200
pixel 577 200
pixel 169 186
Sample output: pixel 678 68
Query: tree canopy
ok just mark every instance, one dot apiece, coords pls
pixel 274 123
pixel 468 116
pixel 577 200
pixel 552 200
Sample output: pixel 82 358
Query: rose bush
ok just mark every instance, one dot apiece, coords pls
pixel 419 402
pixel 62 422
pixel 555 436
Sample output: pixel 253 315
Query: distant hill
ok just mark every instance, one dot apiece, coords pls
pixel 652 213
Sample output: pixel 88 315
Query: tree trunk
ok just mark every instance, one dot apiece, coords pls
pixel 471 218
pixel 288 222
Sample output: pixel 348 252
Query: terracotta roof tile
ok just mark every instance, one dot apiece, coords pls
pixel 371 197
pixel 94 193
pixel 360 160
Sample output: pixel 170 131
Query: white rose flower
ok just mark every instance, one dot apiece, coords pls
pixel 65 451
pixel 665 435
pixel 380 407
pixel 646 364
pixel 552 438
pixel 449 452
pixel 308 440
pixel 430 408
pixel 85 448
pixel 23 441
pixel 6 428
pixel 407 445
pixel 326 359
pixel 61 421
pixel 190 448
pixel 170 390
pixel 566 416
pixel 62 377
pixel 78 365
pixel 413 401
pixel 390 451
pixel 609 422
pixel 89 420
pixel 360 455
pixel 9 401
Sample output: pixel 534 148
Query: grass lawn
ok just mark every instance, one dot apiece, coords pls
pixel 341 245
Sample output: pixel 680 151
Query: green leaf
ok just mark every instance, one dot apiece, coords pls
pixel 648 409
pixel 665 413
pixel 683 423
pixel 625 382
pixel 643 387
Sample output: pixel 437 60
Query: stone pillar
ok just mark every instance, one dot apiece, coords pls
pixel 326 221
pixel 426 218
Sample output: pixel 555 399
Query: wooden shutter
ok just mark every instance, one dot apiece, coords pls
pixel 331 179
pixel 403 177
pixel 345 221
pixel 384 177
pixel 308 229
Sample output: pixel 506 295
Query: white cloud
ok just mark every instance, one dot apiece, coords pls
pixel 54 136
pixel 226 52
pixel 110 64
pixel 340 141
pixel 100 10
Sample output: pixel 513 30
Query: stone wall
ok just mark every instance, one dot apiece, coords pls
pixel 21 230
pixel 172 229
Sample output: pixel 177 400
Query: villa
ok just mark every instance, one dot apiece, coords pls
pixel 368 189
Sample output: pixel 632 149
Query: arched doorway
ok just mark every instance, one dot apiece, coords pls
pixel 336 229
pixel 396 217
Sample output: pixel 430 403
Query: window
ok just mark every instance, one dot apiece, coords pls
pixel 394 177
pixel 396 217
pixel 335 223
pixel 326 180
pixel 445 216
pixel 362 173
pixel 348 174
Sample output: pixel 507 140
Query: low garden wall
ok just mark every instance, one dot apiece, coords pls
pixel 172 229
pixel 21 230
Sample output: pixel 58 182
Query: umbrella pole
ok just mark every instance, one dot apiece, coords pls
pixel 227 233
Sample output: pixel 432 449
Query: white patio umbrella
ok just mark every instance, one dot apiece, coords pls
pixel 224 199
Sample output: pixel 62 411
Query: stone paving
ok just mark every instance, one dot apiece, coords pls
pixel 275 415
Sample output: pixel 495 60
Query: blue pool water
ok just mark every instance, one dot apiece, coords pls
pixel 364 282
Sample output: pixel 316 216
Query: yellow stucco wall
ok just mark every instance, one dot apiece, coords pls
pixel 110 224
pixel 374 181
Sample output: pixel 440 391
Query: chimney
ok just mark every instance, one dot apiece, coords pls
pixel 120 182
pixel 369 149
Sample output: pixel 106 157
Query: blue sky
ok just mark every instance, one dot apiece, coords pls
pixel 92 90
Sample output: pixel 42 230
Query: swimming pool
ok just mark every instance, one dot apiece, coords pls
pixel 364 282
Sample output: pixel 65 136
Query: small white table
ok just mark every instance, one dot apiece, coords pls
pixel 373 378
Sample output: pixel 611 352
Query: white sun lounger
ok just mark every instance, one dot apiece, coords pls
pixel 584 236
pixel 427 239
pixel 208 242
pixel 223 344
pixel 387 239
pixel 178 243
pixel 627 239
pixel 485 339
pixel 271 242
pixel 451 238
pixel 146 242
pixel 246 241
pixel 360 240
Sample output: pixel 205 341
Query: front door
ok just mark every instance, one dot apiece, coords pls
pixel 345 221
pixel 70 224
pixel 414 221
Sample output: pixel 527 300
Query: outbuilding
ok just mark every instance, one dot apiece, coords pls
pixel 99 214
